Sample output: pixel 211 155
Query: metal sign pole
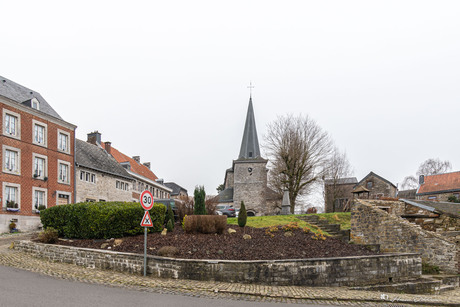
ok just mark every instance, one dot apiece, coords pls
pixel 145 251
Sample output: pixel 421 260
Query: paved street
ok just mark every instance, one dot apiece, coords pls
pixel 220 292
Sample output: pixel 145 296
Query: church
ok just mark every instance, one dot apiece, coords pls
pixel 246 180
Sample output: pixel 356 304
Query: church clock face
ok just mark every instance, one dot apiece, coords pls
pixel 250 169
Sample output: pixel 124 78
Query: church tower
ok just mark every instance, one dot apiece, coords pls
pixel 250 170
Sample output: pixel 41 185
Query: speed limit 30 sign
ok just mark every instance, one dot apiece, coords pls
pixel 147 200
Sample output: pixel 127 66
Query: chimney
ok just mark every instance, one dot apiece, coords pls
pixel 137 159
pixel 147 164
pixel 421 179
pixel 108 147
pixel 94 138
pixel 160 181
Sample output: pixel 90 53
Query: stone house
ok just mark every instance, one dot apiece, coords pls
pixel 338 194
pixel 177 191
pixel 439 187
pixel 37 156
pixel 143 177
pixel 99 176
pixel 246 180
pixel 374 186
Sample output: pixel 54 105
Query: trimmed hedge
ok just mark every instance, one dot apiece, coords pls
pixel 205 223
pixel 101 220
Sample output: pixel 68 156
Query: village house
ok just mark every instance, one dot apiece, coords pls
pixel 37 156
pixel 178 192
pixel 338 194
pixel 143 177
pixel 374 187
pixel 439 187
pixel 99 176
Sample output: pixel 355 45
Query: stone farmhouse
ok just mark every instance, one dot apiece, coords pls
pixel 338 193
pixel 246 180
pixel 143 177
pixel 99 176
pixel 37 156
pixel 374 187
pixel 439 187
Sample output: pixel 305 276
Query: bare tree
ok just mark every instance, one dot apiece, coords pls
pixel 427 168
pixel 337 168
pixel 298 149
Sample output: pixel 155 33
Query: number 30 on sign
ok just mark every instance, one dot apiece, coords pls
pixel 147 200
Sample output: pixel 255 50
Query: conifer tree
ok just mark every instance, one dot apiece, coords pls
pixel 170 219
pixel 200 196
pixel 242 216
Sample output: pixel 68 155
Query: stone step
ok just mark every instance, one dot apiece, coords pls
pixel 445 288
pixel 448 280
pixel 418 286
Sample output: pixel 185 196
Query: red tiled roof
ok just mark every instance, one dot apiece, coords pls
pixel 136 167
pixel 441 182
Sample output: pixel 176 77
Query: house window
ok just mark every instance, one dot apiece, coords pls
pixel 11 124
pixel 11 195
pixel 39 167
pixel 122 185
pixel 63 198
pixel 63 141
pixel 63 172
pixel 35 104
pixel 87 176
pixel 39 133
pixel 11 160
pixel 369 185
pixel 39 198
pixel 432 198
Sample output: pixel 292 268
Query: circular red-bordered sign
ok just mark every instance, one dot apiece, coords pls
pixel 146 200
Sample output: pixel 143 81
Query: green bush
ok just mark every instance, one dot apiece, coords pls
pixel 242 216
pixel 170 217
pixel 170 226
pixel 200 198
pixel 205 223
pixel 49 235
pixel 101 220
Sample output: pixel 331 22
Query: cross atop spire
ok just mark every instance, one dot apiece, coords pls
pixel 250 143
pixel 250 87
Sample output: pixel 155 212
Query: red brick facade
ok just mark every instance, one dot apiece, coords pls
pixel 23 143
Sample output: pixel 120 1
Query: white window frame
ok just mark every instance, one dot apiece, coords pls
pixel 45 133
pixel 63 193
pixel 33 102
pixel 45 197
pixel 45 167
pixel 88 177
pixel 17 134
pixel 18 196
pixel 17 171
pixel 61 162
pixel 122 185
pixel 59 133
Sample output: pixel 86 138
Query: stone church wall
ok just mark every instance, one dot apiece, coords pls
pixel 250 184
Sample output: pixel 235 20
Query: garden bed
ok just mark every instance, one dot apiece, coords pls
pixel 265 244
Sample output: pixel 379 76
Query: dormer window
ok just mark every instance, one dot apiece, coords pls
pixel 35 104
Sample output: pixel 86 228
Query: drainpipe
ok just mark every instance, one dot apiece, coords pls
pixel 74 166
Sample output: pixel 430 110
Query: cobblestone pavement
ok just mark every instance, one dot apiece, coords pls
pixel 219 290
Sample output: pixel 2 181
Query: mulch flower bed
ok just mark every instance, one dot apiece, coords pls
pixel 265 244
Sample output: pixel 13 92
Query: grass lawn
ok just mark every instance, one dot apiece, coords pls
pixel 342 218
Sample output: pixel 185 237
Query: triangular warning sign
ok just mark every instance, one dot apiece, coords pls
pixel 146 220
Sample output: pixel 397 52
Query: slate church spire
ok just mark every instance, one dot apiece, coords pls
pixel 250 144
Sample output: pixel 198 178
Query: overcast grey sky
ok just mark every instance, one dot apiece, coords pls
pixel 167 80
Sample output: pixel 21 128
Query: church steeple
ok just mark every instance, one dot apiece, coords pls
pixel 250 144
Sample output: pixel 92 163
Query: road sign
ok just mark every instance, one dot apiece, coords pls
pixel 147 200
pixel 146 220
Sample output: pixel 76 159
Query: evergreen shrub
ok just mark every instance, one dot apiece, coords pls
pixel 242 215
pixel 101 220
pixel 200 198
pixel 169 217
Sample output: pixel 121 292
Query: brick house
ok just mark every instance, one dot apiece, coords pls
pixel 37 156
pixel 338 193
pixel 99 176
pixel 143 177
pixel 374 187
pixel 439 187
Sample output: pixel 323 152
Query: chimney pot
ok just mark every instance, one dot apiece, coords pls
pixel 421 179
pixel 137 159
pixel 108 147
pixel 147 164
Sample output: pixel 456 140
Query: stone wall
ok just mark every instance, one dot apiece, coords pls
pixel 24 223
pixel 104 188
pixel 347 271
pixel 371 225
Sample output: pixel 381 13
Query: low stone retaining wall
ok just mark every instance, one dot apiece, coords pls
pixel 347 271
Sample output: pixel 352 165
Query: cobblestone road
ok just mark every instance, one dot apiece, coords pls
pixel 294 294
